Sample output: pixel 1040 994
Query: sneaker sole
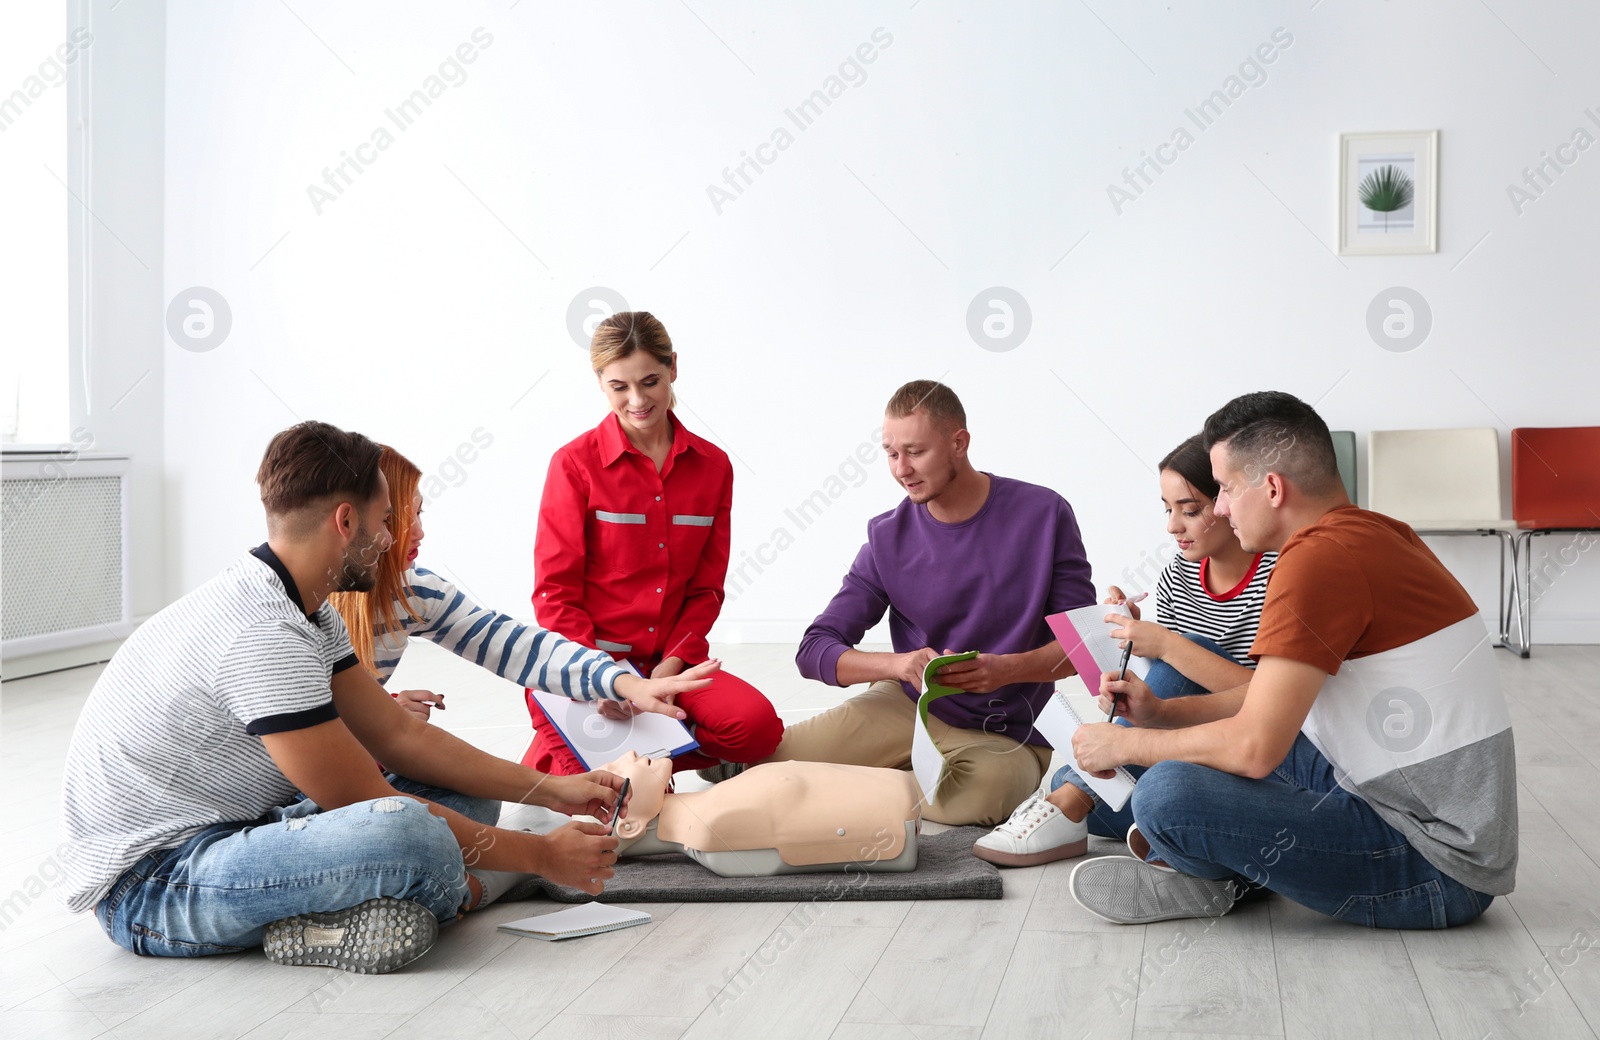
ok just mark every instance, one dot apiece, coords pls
pixel 1070 850
pixel 373 938
pixel 1202 899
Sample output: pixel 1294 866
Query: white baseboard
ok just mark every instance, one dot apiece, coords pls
pixel 1564 629
pixel 758 632
pixel 789 630
pixel 56 660
pixel 24 665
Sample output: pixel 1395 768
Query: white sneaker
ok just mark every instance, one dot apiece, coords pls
pixel 1037 832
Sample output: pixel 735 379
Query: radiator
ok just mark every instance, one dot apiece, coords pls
pixel 63 551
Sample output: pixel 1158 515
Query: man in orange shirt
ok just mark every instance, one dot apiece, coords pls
pixel 1366 770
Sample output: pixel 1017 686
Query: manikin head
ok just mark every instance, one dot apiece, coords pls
pixel 1276 471
pixel 925 439
pixel 634 361
pixel 650 777
pixel 325 494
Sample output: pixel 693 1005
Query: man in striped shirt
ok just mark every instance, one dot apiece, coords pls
pixel 180 793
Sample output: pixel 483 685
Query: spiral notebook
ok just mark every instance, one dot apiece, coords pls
pixel 1058 722
pixel 587 919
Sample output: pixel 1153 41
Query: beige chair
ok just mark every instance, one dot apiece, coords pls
pixel 1445 482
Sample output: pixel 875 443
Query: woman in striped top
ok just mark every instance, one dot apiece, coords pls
pixel 411 601
pixel 1208 599
pixel 1208 602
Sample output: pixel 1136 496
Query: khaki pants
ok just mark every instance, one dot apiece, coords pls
pixel 988 775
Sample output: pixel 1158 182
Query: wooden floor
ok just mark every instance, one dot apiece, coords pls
pixel 1032 964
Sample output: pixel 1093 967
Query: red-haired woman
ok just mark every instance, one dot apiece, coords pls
pixel 632 549
pixel 409 601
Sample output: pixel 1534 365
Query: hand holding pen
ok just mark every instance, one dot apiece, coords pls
pixel 1130 604
pixel 1127 652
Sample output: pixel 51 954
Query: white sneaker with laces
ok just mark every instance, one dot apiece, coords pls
pixel 1037 832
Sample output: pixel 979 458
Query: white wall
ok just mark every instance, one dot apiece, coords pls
pixel 430 298
pixel 116 367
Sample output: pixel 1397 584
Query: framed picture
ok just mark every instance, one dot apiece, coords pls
pixel 1389 193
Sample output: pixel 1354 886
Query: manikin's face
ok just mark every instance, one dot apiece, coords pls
pixel 639 388
pixel 1191 519
pixel 921 458
pixel 1245 504
pixel 371 539
pixel 414 543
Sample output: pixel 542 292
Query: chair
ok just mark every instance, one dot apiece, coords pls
pixel 1555 489
pixel 1344 452
pixel 1445 482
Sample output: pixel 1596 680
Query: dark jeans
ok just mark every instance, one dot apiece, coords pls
pixel 1300 834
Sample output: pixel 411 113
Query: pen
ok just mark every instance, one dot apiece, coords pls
pixel 1127 652
pixel 621 797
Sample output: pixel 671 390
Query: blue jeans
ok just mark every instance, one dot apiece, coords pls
pixel 1166 682
pixel 1300 834
pixel 216 891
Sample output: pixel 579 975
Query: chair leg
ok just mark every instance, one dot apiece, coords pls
pixel 1514 605
pixel 1500 591
pixel 1525 595
pixel 1503 597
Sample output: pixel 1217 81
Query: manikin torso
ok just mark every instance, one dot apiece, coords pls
pixel 778 818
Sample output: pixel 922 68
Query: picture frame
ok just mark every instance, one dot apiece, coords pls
pixel 1389 193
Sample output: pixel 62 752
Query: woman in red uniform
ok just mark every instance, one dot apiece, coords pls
pixel 632 549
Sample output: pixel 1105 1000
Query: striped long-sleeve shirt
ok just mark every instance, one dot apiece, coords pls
pixel 524 654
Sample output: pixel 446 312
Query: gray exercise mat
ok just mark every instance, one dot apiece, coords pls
pixel 946 869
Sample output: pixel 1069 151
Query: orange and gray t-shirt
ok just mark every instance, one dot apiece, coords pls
pixel 1411 715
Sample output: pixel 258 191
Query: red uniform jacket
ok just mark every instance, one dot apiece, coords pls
pixel 630 560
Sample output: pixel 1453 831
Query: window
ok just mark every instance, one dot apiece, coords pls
pixel 39 55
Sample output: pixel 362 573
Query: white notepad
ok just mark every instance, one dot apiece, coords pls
pixel 1058 722
pixel 587 919
pixel 597 740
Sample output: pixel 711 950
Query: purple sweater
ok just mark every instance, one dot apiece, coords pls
pixel 984 584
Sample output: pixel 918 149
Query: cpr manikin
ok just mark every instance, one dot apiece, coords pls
pixel 778 818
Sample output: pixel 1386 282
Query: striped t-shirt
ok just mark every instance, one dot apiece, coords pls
pixel 1411 714
pixel 169 742
pixel 525 654
pixel 1185 605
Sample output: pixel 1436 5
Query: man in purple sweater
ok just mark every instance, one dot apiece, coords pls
pixel 969 561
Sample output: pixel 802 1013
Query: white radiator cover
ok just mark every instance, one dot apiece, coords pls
pixel 64 552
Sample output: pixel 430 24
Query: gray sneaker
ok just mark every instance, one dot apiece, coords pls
pixel 1125 891
pixel 723 771
pixel 371 938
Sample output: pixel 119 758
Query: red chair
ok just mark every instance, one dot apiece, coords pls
pixel 1555 489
